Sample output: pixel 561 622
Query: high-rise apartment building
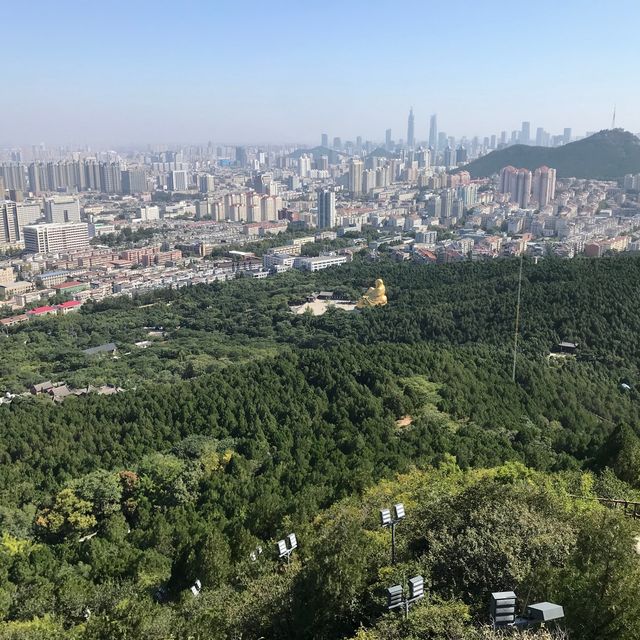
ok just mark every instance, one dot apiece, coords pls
pixel 178 181
pixel 326 209
pixel 566 136
pixel 269 207
pixel 356 168
pixel 304 165
pixel 324 140
pixel 410 130
pixel 9 225
pixel 517 183
pixel 206 183
pixel 450 157
pixel 14 176
pixel 52 238
pixel 544 185
pixel 110 177
pixel 62 209
pixel 134 181
pixel 446 203
pixel 368 180
pixel 525 133
pixel 423 156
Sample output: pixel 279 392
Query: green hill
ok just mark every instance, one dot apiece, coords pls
pixel 317 152
pixel 608 154
pixel 380 152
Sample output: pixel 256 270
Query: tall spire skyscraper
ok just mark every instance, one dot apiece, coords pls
pixel 410 133
pixel 433 132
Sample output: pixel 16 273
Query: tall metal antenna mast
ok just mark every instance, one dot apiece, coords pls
pixel 613 120
pixel 515 337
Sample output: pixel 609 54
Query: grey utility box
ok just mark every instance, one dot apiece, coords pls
pixel 503 607
pixel 544 612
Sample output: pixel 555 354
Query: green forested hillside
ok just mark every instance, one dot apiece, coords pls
pixel 608 154
pixel 243 422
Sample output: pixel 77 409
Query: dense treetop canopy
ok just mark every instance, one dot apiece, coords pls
pixel 241 422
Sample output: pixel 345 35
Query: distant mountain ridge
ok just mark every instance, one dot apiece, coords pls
pixel 317 152
pixel 608 154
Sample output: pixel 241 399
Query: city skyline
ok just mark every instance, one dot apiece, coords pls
pixel 142 74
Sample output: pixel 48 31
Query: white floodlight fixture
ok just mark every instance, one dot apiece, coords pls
pixel 282 548
pixel 253 556
pixel 394 597
pixel 196 588
pixel 416 588
pixel 399 511
pixel 385 517
pixel 293 542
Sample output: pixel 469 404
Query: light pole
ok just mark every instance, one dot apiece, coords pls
pixel 386 520
pixel 398 596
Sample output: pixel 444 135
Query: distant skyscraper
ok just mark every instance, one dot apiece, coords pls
pixel 111 177
pixel 424 158
pixel 492 144
pixel 544 185
pixel 241 156
pixel 134 181
pixel 450 158
pixel 517 183
pixel 442 141
pixel 178 181
pixel 206 183
pixel 566 137
pixel 410 130
pixel 387 139
pixel 326 209
pixel 325 140
pixel 503 137
pixel 433 132
pixel 525 133
pixel 355 176
pixel 337 144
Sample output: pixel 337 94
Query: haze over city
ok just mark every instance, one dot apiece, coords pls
pixel 320 321
pixel 150 72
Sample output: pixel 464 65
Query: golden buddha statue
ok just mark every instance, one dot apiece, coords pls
pixel 375 296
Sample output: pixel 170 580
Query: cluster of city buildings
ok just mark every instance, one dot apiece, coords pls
pixel 76 225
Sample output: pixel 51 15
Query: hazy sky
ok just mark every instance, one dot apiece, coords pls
pixel 137 71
